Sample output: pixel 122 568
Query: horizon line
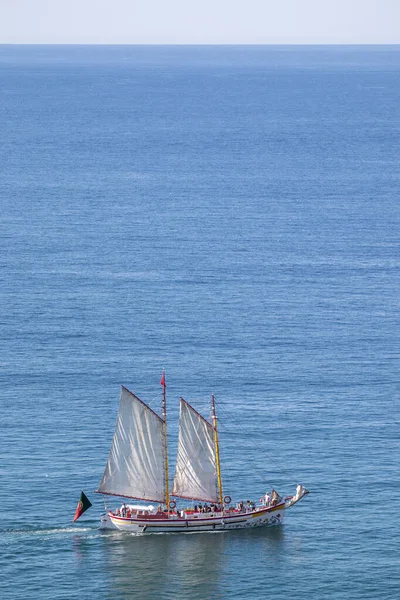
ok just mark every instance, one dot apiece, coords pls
pixel 200 44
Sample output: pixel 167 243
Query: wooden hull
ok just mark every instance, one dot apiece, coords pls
pixel 260 517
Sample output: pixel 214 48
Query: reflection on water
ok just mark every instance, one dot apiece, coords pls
pixel 81 546
pixel 194 566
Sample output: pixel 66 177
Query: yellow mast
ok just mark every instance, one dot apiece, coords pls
pixel 164 410
pixel 217 459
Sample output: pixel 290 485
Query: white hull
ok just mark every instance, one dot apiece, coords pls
pixel 105 522
pixel 260 517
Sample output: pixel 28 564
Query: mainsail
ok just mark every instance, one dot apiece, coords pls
pixel 135 466
pixel 195 472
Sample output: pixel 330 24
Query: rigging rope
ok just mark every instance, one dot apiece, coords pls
pixel 261 449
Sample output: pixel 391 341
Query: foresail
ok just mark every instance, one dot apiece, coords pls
pixel 195 473
pixel 135 466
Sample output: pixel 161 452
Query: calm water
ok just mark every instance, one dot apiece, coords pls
pixel 230 214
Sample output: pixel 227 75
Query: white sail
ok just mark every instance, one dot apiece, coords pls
pixel 195 473
pixel 135 466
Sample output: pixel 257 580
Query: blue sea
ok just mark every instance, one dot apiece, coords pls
pixel 230 214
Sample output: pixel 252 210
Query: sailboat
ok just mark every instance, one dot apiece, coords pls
pixel 137 469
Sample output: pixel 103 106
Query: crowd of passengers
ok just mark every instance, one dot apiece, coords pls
pixel 207 508
pixel 245 507
pixel 270 499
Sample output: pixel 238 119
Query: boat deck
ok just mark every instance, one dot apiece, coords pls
pixel 185 515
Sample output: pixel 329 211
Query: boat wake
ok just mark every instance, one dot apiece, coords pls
pixel 48 531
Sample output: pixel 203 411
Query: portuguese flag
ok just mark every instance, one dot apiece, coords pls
pixel 162 382
pixel 83 504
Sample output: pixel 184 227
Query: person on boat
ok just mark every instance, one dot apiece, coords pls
pixel 267 499
pixel 200 508
pixel 123 510
pixel 275 498
pixel 128 512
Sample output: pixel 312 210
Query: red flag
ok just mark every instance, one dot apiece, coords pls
pixel 162 382
pixel 83 504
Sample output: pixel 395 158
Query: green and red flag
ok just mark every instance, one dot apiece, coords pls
pixel 83 504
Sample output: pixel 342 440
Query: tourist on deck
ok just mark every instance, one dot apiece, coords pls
pixel 275 498
pixel 267 499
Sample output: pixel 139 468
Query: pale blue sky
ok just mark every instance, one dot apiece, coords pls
pixel 200 21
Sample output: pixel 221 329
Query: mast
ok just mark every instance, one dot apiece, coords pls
pixel 217 459
pixel 164 412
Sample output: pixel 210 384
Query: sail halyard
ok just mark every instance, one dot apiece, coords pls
pixel 217 456
pixel 195 471
pixel 135 466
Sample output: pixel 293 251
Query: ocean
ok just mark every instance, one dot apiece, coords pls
pixel 231 215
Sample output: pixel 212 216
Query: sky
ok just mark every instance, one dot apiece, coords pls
pixel 199 21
